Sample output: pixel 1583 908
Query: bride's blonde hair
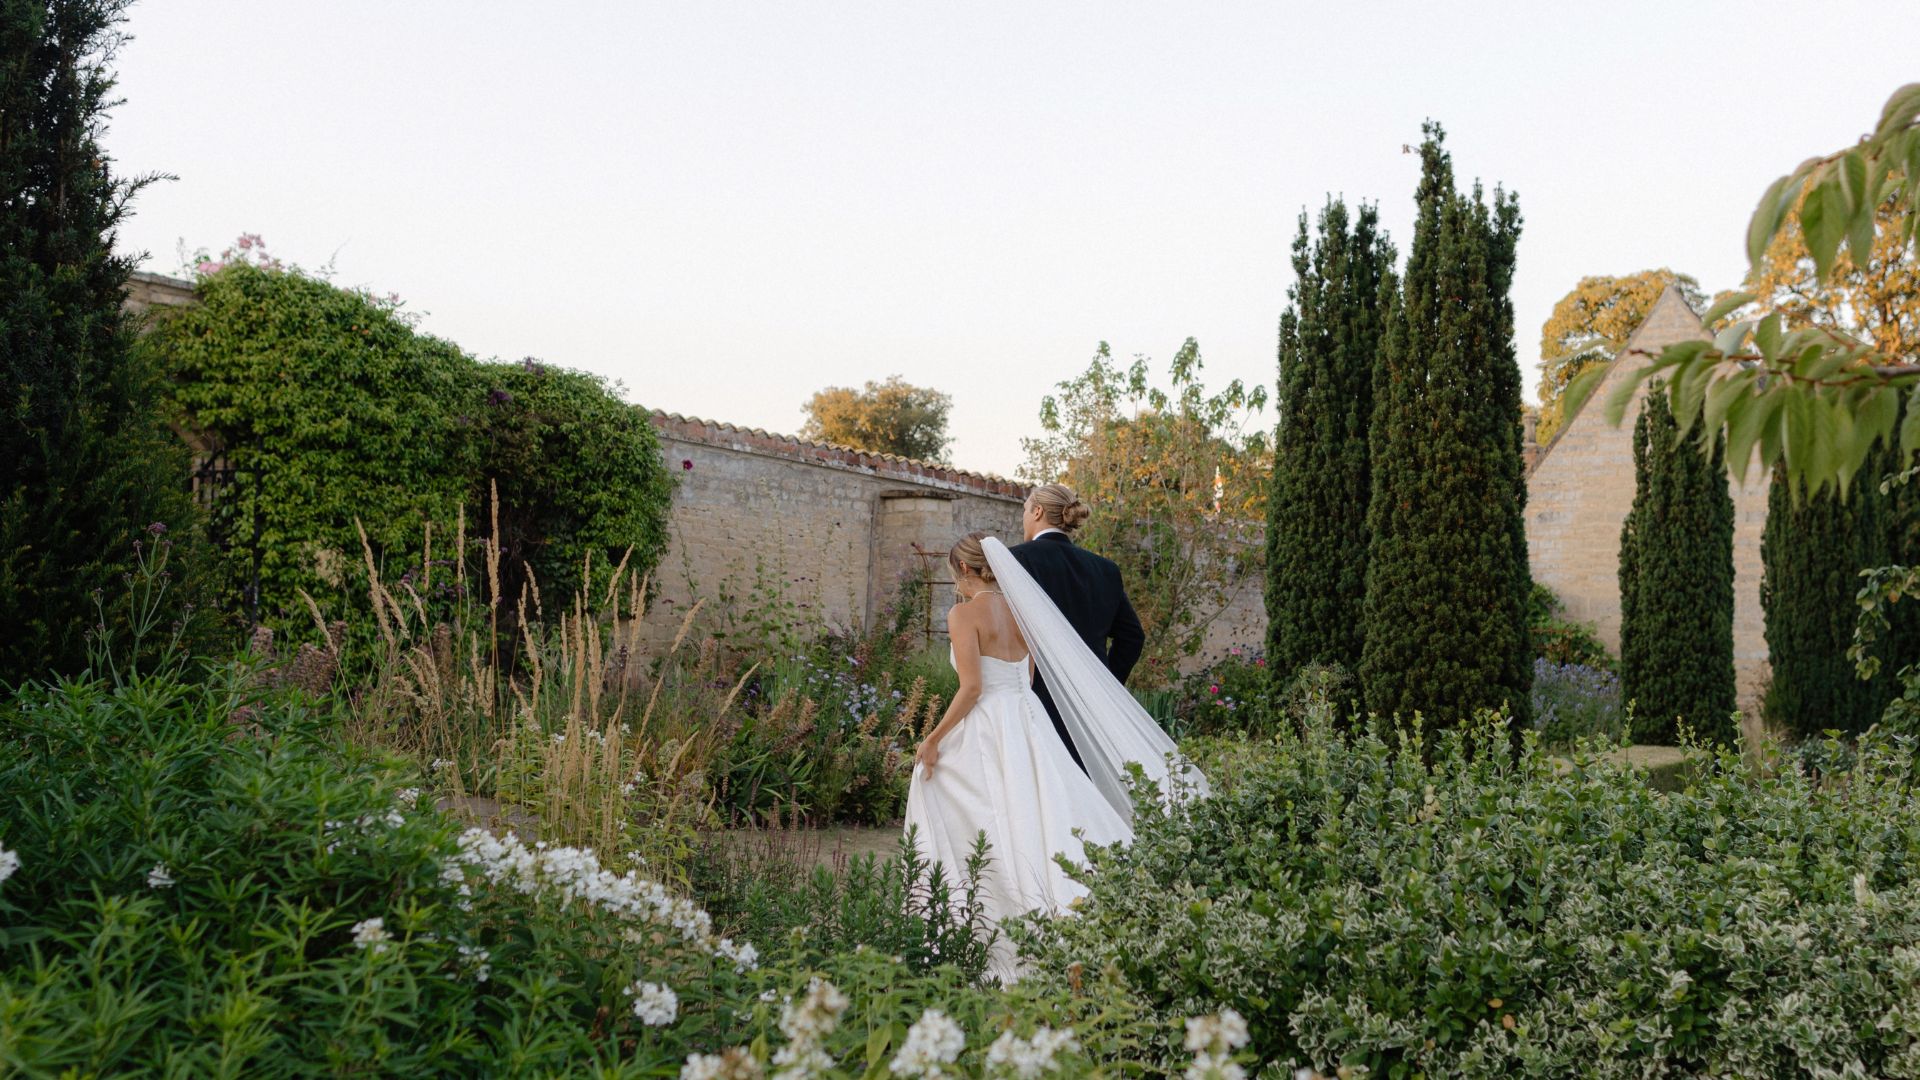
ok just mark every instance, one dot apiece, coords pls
pixel 970 554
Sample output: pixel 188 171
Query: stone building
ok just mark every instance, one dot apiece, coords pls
pixel 1580 488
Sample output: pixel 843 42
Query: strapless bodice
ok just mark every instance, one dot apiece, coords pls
pixel 997 675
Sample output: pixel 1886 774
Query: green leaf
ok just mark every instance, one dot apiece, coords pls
pixel 1833 454
pixel 1727 305
pixel 1746 416
pixel 1730 339
pixel 1860 233
pixel 1720 397
pixel 1773 426
pixel 1902 109
pixel 1581 388
pixel 1623 395
pixel 1766 220
pixel 1689 387
pixel 1766 336
pixel 1822 218
pixel 1851 173
pixel 1910 427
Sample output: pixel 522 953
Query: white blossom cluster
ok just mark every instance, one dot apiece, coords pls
pixel 476 960
pixel 806 1025
pixel 408 797
pixel 933 1042
pixel 1032 1057
pixel 736 1064
pixel 391 819
pixel 371 934
pixel 1212 1040
pixel 576 874
pixel 159 877
pixel 9 862
pixel 654 1004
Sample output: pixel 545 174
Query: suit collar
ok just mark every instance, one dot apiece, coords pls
pixel 1056 534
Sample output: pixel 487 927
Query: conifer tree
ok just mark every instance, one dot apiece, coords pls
pixel 1676 584
pixel 1813 551
pixel 1447 575
pixel 85 462
pixel 1330 336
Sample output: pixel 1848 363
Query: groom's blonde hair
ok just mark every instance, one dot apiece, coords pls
pixel 1059 506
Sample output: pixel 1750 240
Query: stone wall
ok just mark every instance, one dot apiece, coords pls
pixel 770 525
pixel 147 291
pixel 1581 488
pixel 760 518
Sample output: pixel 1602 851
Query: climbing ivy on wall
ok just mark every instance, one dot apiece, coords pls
pixel 331 408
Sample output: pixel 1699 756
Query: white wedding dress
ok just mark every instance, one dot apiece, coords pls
pixel 1004 771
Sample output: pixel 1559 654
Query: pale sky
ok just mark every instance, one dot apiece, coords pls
pixel 727 206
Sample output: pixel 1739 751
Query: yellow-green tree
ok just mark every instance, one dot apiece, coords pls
pixel 891 417
pixel 1879 305
pixel 1177 481
pixel 1590 324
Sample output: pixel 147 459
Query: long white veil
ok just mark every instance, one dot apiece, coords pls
pixel 1108 726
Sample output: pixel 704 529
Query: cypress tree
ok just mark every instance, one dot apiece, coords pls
pixel 1447 576
pixel 1813 551
pixel 85 461
pixel 1317 507
pixel 1676 583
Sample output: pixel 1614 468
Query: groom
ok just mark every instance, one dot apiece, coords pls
pixel 1085 587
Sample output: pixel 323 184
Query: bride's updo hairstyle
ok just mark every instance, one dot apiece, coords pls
pixel 1059 507
pixel 968 555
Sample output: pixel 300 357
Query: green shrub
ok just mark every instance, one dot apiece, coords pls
pixel 763 887
pixel 196 880
pixel 206 887
pixel 1560 640
pixel 1233 692
pixel 1481 917
pixel 335 412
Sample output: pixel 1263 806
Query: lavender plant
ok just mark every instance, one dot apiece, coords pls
pixel 1576 702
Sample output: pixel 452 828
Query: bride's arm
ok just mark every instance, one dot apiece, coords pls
pixel 963 631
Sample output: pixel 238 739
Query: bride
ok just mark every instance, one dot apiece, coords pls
pixel 994 763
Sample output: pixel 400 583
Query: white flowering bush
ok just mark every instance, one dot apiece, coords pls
pixel 260 904
pixel 1479 916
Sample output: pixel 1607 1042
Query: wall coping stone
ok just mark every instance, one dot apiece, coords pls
pixel 835 456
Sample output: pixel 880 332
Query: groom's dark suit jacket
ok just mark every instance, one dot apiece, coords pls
pixel 1088 591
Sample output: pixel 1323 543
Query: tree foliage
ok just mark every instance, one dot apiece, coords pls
pixel 85 462
pixel 1317 510
pixel 891 417
pixel 1447 575
pixel 1814 551
pixel 1173 477
pixel 1676 586
pixel 337 415
pixel 1812 396
pixel 1591 324
pixel 1878 304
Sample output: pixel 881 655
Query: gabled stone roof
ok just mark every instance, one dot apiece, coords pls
pixel 1669 305
pixel 833 455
